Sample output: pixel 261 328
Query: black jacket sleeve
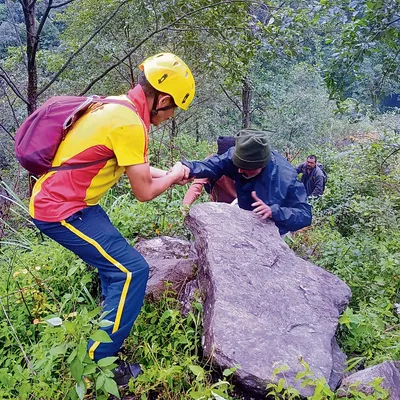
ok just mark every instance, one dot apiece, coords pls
pixel 300 168
pixel 295 213
pixel 318 184
pixel 213 167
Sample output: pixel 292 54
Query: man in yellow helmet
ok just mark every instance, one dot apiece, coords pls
pixel 106 142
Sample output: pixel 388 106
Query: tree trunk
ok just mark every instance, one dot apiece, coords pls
pixel 29 8
pixel 197 133
pixel 246 101
pixel 172 135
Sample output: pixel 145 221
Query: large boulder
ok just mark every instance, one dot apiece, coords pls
pixel 362 381
pixel 170 260
pixel 265 307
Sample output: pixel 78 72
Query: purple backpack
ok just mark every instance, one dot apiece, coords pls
pixel 38 138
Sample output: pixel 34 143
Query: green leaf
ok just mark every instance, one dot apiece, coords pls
pixel 280 369
pixel 108 372
pixel 69 327
pixel 77 369
pixel 71 271
pixel 111 387
pixel 94 312
pixel 105 362
pixel 198 371
pixel 80 389
pixel 81 349
pixel 101 336
pixel 229 371
pixel 352 362
pixel 300 375
pixel 197 395
pixel 72 356
pixel 90 369
pixel 100 381
pixel 58 350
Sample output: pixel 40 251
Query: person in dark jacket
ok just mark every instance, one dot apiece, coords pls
pixel 312 177
pixel 265 182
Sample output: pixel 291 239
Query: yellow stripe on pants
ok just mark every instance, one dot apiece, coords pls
pixel 118 265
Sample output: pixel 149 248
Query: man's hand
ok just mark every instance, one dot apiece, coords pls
pixel 261 208
pixel 186 172
pixel 178 172
pixel 185 179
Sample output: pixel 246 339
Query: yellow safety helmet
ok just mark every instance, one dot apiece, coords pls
pixel 169 74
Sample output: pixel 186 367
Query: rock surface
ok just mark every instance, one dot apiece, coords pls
pixel 171 260
pixel 265 307
pixel 361 380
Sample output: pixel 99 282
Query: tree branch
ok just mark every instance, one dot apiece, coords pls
pixel 384 27
pixel 31 3
pixel 17 34
pixel 39 29
pixel 199 28
pixel 231 99
pixel 7 131
pixel 390 155
pixel 9 103
pixel 10 83
pixel 55 77
pixel 130 63
pixel 156 19
pixel 120 72
pixel 197 10
pixel 62 4
pixel 195 27
pixel 361 52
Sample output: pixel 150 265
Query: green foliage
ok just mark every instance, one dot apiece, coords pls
pixel 167 345
pixel 364 49
pixel 319 387
pixel 293 105
pixel 50 314
pixel 136 220
pixel 356 236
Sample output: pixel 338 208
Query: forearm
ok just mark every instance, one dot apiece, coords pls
pixel 194 191
pixel 158 186
pixel 157 172
pixel 145 187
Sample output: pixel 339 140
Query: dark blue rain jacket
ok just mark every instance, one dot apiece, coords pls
pixel 276 185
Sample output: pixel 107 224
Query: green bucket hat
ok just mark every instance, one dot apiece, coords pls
pixel 252 150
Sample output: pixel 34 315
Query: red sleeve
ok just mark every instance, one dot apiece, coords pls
pixel 194 191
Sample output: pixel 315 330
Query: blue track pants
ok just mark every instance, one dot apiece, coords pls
pixel 123 271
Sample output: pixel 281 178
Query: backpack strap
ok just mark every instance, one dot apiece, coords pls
pixel 125 103
pixel 78 166
pixel 67 125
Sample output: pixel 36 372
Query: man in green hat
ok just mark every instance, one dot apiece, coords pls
pixel 265 182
